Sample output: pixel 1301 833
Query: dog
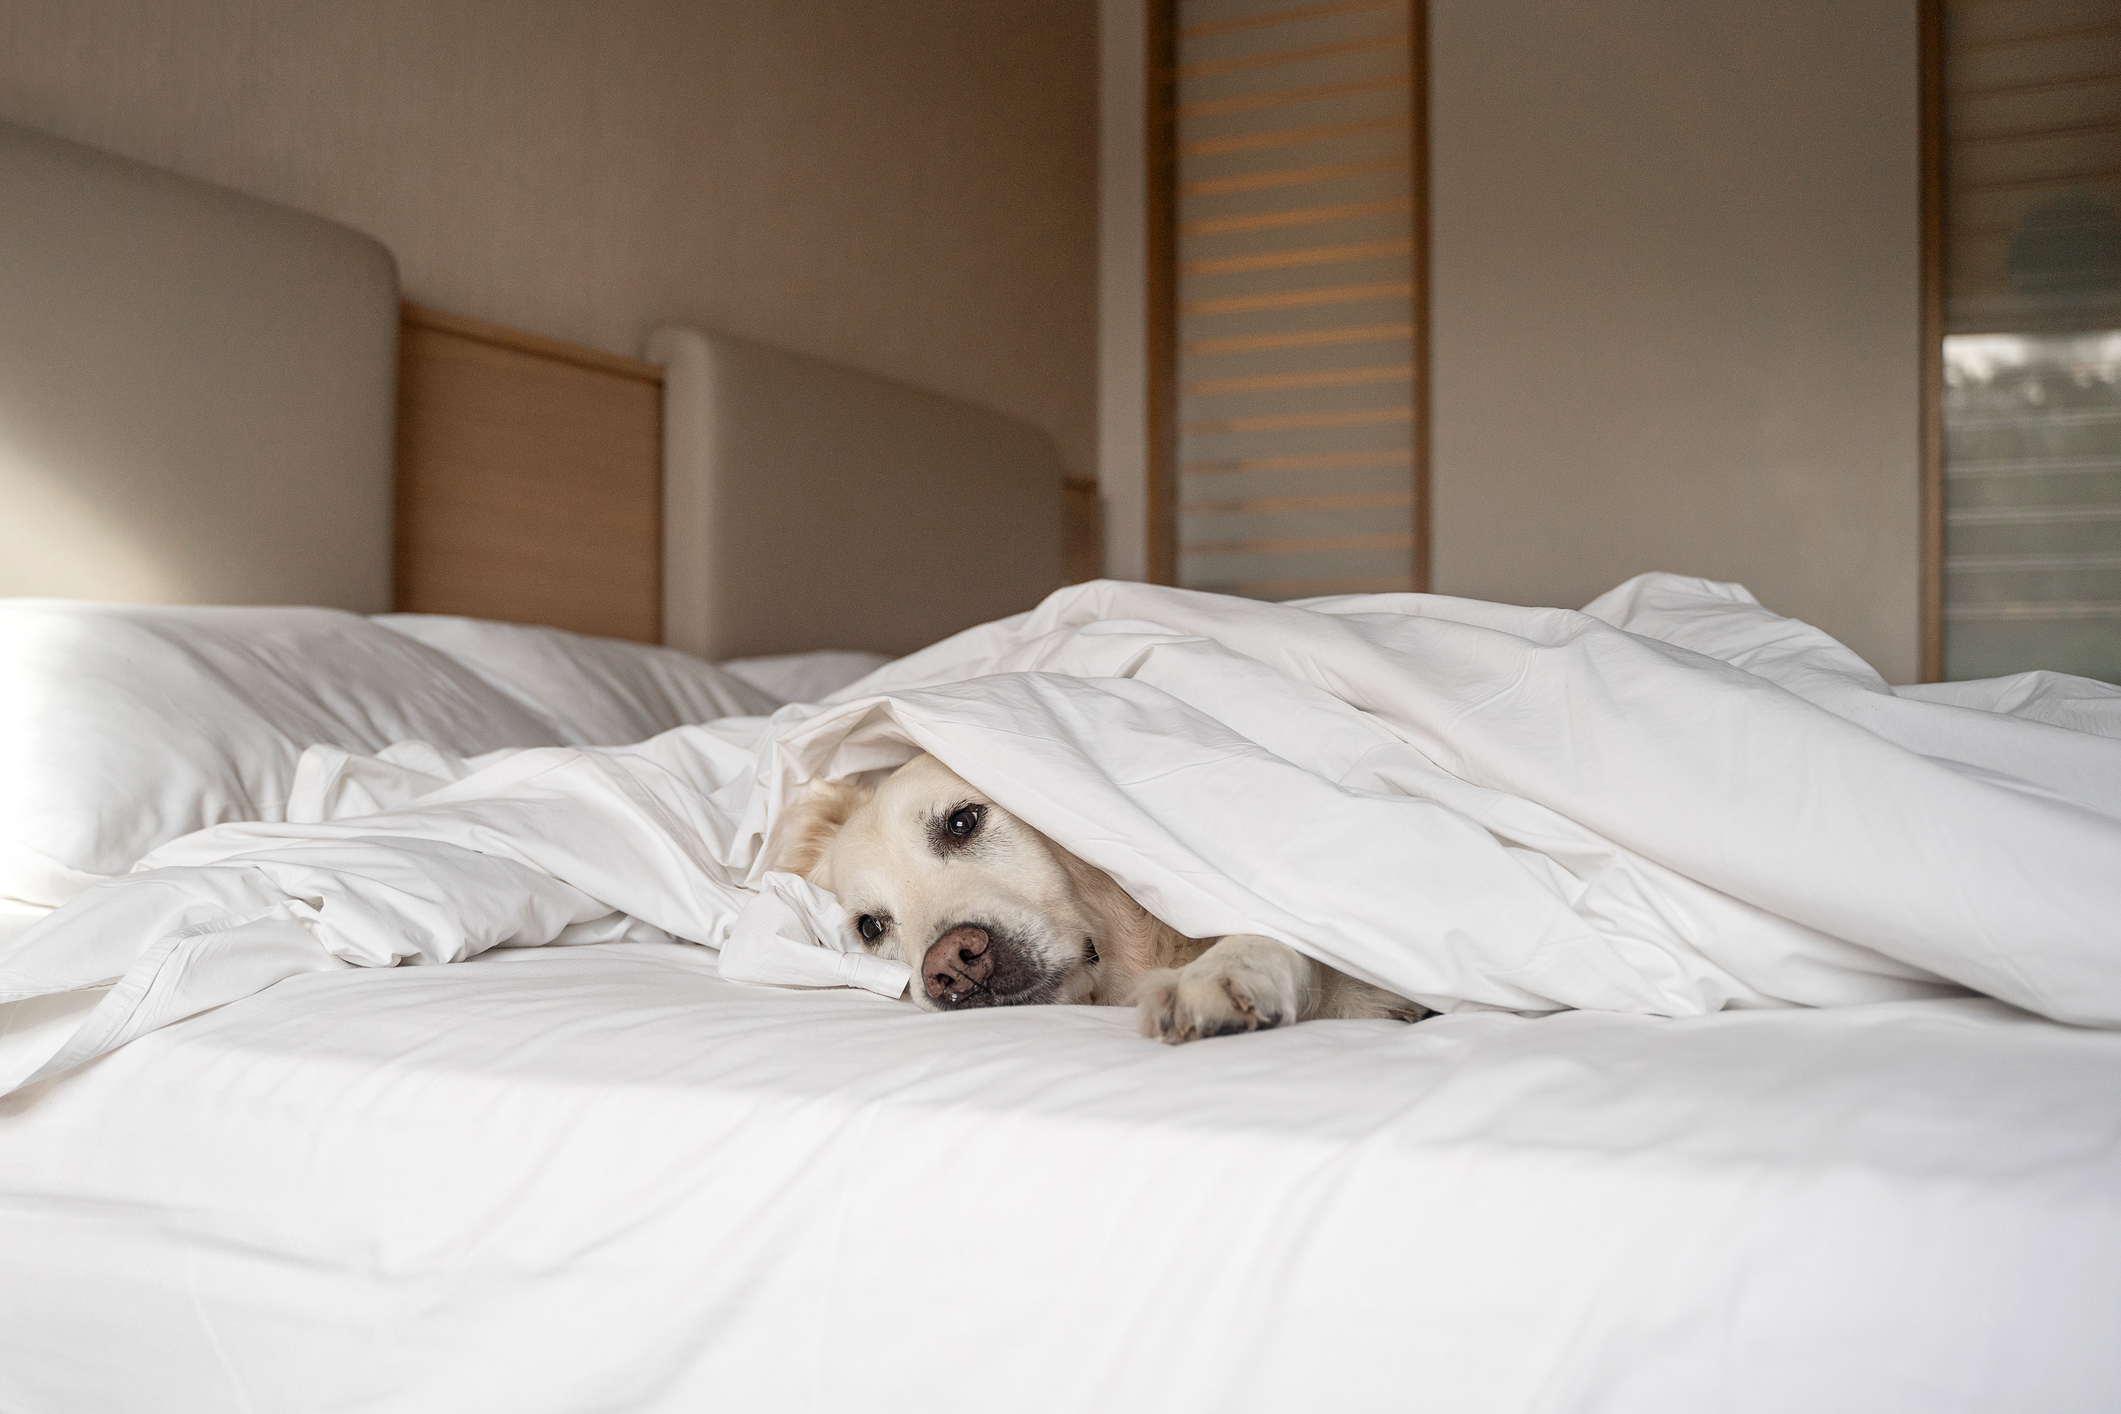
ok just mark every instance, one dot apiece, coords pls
pixel 989 912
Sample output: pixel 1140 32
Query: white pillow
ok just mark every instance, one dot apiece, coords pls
pixel 805 677
pixel 2081 704
pixel 123 727
pixel 593 691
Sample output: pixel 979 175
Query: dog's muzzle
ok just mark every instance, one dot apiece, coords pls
pixel 972 965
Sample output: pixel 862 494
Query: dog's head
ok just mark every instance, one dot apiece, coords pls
pixel 985 910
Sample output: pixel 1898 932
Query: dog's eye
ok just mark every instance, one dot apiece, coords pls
pixel 870 927
pixel 963 821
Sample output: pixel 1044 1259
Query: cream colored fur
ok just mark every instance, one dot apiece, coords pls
pixel 1051 928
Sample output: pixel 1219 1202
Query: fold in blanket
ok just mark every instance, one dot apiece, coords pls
pixel 1670 803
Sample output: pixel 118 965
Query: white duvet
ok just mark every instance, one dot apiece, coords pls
pixel 1672 803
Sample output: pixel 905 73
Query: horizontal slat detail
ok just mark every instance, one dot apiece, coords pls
pixel 1293 299
pixel 2020 564
pixel 1311 461
pixel 1302 338
pixel 1256 505
pixel 2068 609
pixel 1287 177
pixel 2062 35
pixel 1318 587
pixel 1290 16
pixel 1973 471
pixel 1357 417
pixel 2041 134
pixel 2034 515
pixel 1208 68
pixel 1294 259
pixel 1302 216
pixel 1288 137
pixel 1283 97
pixel 2044 179
pixel 1309 378
pixel 2039 418
pixel 1304 544
pixel 2103 79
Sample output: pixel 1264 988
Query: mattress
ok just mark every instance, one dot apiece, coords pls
pixel 603 1178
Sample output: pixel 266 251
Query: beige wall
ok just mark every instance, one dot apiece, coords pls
pixel 1674 312
pixel 1676 302
pixel 905 185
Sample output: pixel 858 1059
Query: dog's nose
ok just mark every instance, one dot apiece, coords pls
pixel 957 964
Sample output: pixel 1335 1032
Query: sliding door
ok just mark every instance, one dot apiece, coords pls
pixel 2025 141
pixel 1288 239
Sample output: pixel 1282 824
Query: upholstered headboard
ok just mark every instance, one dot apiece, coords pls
pixel 196 390
pixel 198 393
pixel 811 505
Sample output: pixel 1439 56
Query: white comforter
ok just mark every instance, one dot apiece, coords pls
pixel 1672 803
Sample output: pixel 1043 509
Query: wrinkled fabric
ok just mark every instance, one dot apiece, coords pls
pixel 1672 804
pixel 554 1181
pixel 794 934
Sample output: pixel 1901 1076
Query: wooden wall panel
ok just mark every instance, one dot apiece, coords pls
pixel 1082 530
pixel 529 480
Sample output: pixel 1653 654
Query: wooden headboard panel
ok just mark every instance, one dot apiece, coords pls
pixel 529 482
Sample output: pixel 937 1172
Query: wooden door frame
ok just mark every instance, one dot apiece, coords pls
pixel 1418 119
pixel 1160 287
pixel 1930 21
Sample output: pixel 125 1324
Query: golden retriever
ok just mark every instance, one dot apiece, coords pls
pixel 989 912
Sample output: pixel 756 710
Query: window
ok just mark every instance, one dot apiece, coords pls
pixel 2024 114
pixel 1288 231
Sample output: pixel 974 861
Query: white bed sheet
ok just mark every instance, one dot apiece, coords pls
pixel 602 1178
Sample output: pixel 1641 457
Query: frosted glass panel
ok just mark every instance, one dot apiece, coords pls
pixel 1295 294
pixel 2032 538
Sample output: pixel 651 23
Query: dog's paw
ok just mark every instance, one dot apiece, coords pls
pixel 1240 984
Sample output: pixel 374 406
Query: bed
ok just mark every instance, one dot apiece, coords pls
pixel 605 1177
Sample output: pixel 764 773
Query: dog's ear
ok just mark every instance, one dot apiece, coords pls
pixel 813 819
